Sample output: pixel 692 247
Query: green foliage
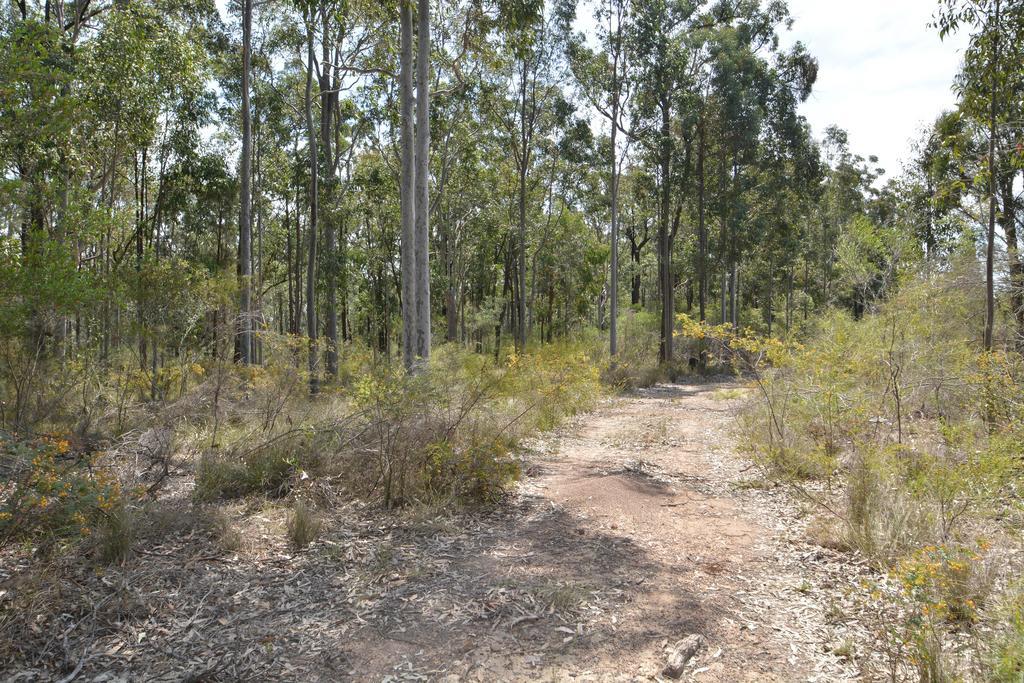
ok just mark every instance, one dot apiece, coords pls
pixel 115 533
pixel 636 364
pixel 449 433
pixel 1006 660
pixel 266 469
pixel 908 437
pixel 47 492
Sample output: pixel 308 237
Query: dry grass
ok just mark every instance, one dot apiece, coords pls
pixel 303 525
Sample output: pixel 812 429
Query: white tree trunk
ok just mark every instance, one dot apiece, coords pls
pixel 407 188
pixel 245 210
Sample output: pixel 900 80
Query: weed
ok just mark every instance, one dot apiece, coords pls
pixel 225 533
pixel 115 533
pixel 846 650
pixel 303 525
pixel 264 470
pixel 728 394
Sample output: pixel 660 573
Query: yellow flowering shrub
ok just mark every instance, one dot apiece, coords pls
pixel 51 491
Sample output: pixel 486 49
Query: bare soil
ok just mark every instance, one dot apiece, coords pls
pixel 634 526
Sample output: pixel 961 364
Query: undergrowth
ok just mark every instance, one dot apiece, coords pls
pixel 907 439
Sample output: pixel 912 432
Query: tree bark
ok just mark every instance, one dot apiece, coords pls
pixel 407 184
pixel 328 108
pixel 664 244
pixel 990 303
pixel 422 182
pixel 245 210
pixel 702 232
pixel 314 208
pixel 520 336
pixel 613 341
pixel 1009 223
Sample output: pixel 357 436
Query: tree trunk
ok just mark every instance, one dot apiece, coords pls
pixel 314 208
pixel 734 293
pixel 723 318
pixel 520 336
pixel 328 107
pixel 702 231
pixel 1009 223
pixel 664 245
pixel 990 305
pixel 245 210
pixel 407 188
pixel 422 208
pixel 614 308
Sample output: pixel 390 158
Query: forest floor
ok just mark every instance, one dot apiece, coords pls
pixel 634 526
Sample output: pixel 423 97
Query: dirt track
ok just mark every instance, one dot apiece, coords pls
pixel 639 526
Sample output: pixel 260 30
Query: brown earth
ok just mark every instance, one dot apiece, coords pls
pixel 635 526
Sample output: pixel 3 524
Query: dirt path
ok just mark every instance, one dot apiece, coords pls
pixel 637 527
pixel 634 526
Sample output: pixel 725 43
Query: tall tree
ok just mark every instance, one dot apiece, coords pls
pixel 407 186
pixel 422 181
pixel 245 345
pixel 604 80
pixel 314 211
pixel 982 87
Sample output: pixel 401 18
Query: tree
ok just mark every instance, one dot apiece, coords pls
pixel 604 80
pixel 312 330
pixel 422 175
pixel 408 188
pixel 246 343
pixel 983 90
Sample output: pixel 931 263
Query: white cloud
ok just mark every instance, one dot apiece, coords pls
pixel 884 72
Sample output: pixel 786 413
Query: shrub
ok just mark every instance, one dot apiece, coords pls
pixel 266 469
pixel 908 437
pixel 1005 662
pixel 450 431
pixel 883 520
pixel 885 404
pixel 636 364
pixel 948 583
pixel 50 492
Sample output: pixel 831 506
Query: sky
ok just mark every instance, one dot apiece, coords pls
pixel 883 74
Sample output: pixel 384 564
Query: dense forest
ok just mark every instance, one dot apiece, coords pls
pixel 333 262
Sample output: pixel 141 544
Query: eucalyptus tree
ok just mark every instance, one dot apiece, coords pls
pixel 521 93
pixel 246 340
pixel 989 87
pixel 604 78
pixel 665 96
pixel 312 330
pixel 415 181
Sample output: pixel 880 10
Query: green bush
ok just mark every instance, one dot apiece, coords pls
pixel 1006 659
pixel 450 431
pixel 115 533
pixel 265 470
pixel 49 492
pixel 909 438
pixel 636 364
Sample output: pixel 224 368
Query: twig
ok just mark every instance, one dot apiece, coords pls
pixel 77 670
pixel 519 620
